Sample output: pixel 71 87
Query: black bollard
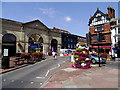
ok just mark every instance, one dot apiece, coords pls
pixel 5 62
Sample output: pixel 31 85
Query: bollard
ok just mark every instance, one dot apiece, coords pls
pixel 5 62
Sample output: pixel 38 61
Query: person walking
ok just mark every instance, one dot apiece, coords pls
pixel 54 54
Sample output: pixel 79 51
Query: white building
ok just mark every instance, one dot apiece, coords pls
pixel 115 35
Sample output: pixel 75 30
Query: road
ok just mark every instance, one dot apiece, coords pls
pixel 32 76
pixel 113 64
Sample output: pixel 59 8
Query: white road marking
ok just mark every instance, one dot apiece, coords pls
pixel 40 83
pixel 50 70
pixel 12 81
pixel 40 77
pixel 47 73
pixel 4 80
pixel 31 82
pixel 58 65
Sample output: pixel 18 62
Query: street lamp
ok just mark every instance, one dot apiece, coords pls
pixel 98 35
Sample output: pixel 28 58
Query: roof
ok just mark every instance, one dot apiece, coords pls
pixel 11 21
pixel 61 30
pixel 98 11
pixel 35 21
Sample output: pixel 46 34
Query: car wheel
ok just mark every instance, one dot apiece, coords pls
pixel 93 61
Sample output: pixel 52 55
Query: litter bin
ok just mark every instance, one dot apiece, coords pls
pixel 5 62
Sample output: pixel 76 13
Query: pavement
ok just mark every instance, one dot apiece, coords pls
pixel 95 77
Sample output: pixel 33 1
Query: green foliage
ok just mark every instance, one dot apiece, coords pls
pixel 76 56
pixel 75 53
pixel 82 44
pixel 79 49
pixel 82 61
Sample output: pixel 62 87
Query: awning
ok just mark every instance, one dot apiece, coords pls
pixel 101 46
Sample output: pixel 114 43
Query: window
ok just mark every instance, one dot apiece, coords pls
pixel 102 37
pixel 98 18
pixel 118 38
pixel 95 38
pixel 68 46
pixel 99 28
pixel 118 30
pixel 118 21
pixel 64 39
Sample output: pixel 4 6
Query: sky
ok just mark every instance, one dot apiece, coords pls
pixel 70 16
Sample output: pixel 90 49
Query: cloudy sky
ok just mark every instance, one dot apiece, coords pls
pixel 70 16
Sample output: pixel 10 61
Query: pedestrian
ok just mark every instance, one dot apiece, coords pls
pixel 54 54
pixel 72 58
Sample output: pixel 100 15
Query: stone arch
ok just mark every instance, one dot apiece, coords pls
pixel 35 43
pixel 29 35
pixel 14 33
pixel 9 42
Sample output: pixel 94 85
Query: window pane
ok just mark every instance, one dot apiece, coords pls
pixel 118 21
pixel 118 29
pixel 95 38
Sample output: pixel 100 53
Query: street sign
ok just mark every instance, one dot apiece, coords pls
pixel 5 52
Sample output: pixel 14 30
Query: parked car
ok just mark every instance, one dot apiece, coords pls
pixel 94 59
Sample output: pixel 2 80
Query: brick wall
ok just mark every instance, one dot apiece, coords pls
pixel 106 32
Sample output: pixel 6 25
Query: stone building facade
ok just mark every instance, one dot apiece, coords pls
pixel 24 37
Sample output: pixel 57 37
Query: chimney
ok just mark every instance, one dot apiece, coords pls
pixel 111 12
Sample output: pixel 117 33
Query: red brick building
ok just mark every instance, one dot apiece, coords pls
pixel 99 26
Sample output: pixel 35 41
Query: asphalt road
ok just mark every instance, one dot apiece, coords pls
pixel 32 76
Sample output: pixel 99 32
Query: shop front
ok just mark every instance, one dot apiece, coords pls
pixel 103 49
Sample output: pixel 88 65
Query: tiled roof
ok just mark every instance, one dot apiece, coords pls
pixel 60 30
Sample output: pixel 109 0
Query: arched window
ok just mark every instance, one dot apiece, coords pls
pixel 9 42
pixel 9 38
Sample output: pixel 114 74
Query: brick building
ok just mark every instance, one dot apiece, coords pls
pixel 99 26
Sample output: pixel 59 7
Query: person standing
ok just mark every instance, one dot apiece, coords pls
pixel 72 58
pixel 54 54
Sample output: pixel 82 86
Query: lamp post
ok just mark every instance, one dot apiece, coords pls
pixel 99 48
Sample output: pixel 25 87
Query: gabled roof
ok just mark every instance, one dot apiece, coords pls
pixel 35 21
pixel 98 11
